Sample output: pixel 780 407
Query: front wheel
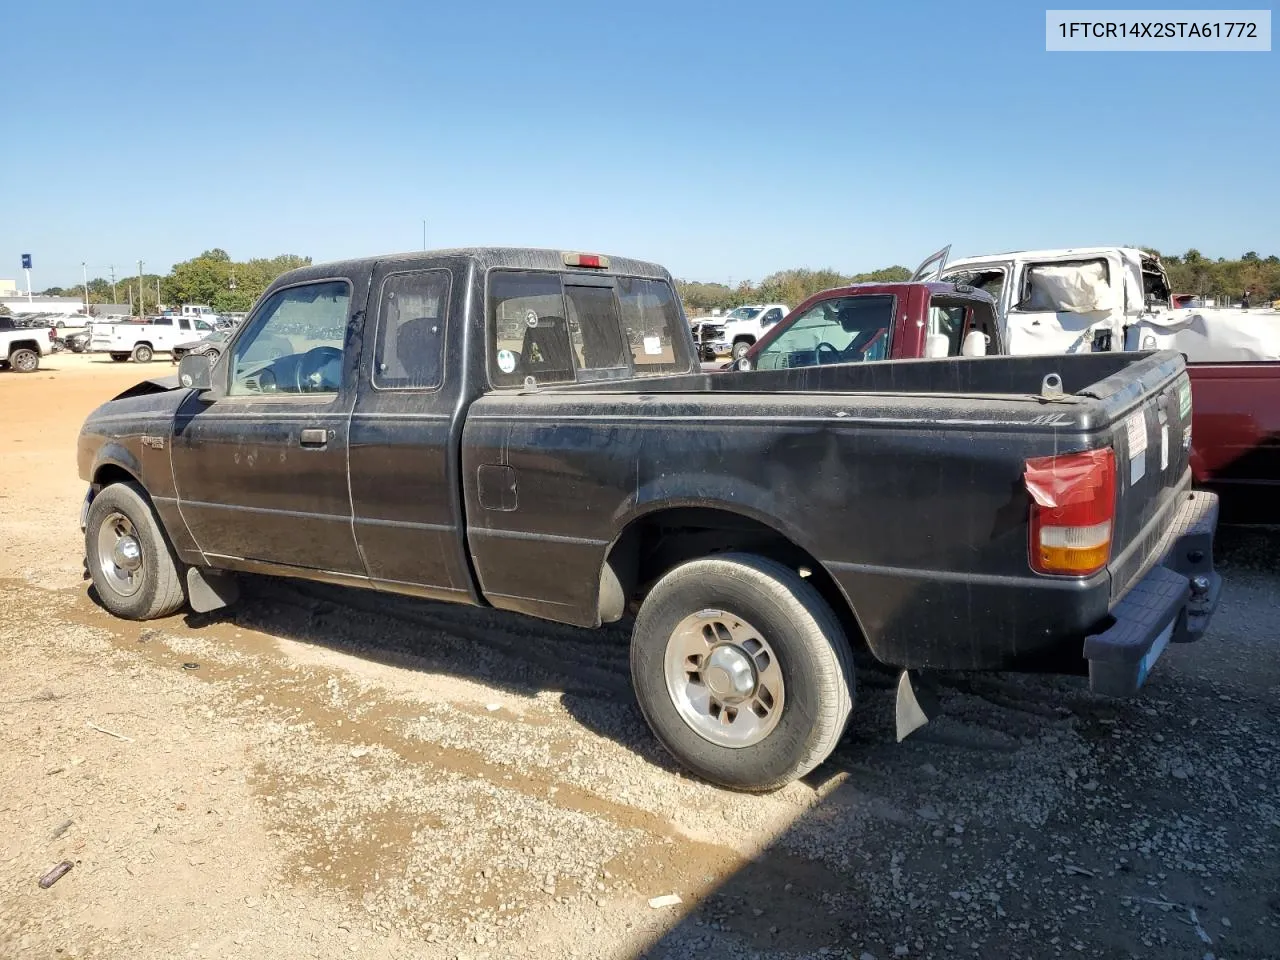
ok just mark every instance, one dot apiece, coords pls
pixel 24 360
pixel 742 671
pixel 740 349
pixel 135 571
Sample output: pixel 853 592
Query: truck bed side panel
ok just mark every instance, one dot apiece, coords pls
pixel 915 506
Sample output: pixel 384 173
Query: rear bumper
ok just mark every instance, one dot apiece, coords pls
pixel 1172 603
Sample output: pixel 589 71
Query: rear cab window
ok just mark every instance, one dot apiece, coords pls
pixel 567 328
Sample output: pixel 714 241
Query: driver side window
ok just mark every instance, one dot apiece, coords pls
pixel 842 330
pixel 294 344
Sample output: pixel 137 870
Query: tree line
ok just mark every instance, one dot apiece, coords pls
pixel 229 286
pixel 212 278
pixel 785 286
pixel 1190 272
pixel 1194 273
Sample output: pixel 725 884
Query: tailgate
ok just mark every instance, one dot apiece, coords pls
pixel 1151 433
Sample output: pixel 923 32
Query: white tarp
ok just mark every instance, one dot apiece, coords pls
pixel 1069 288
pixel 1210 336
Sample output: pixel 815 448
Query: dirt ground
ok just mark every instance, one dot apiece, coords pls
pixel 325 773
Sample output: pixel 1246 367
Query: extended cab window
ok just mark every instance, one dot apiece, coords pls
pixel 558 329
pixel 650 316
pixel 294 342
pixel 411 324
pixel 842 330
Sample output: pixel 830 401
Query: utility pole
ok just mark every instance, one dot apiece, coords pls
pixel 157 293
pixel 424 234
pixel 139 289
pixel 114 298
pixel 84 272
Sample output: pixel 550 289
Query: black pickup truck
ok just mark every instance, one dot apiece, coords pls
pixel 530 430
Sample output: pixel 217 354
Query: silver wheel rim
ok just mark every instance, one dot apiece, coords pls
pixel 724 679
pixel 26 361
pixel 120 554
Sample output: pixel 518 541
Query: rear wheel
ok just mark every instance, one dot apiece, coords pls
pixel 142 353
pixel 742 671
pixel 24 360
pixel 135 571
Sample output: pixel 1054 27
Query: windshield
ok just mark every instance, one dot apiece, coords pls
pixel 743 313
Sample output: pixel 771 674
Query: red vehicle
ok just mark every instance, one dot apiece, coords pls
pixel 1235 431
pixel 1236 406
pixel 881 321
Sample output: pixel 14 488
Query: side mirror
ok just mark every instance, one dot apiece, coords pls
pixel 195 371
pixel 742 364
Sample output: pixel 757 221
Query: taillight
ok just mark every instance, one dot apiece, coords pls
pixel 1073 505
pixel 53 334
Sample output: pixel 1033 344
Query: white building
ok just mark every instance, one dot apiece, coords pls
pixel 37 304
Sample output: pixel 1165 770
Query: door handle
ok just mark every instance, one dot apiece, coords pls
pixel 314 437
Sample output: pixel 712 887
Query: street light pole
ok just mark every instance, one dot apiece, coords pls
pixel 140 311
pixel 84 272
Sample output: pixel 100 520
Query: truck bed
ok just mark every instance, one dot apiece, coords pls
pixel 903 479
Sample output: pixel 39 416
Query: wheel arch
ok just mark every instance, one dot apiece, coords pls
pixel 115 464
pixel 659 537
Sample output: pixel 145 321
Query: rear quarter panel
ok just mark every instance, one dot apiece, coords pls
pixel 914 505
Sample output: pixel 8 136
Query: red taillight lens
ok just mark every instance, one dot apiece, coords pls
pixel 53 334
pixel 1073 506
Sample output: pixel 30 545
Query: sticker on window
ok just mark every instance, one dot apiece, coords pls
pixel 507 359
pixel 1135 426
pixel 531 318
pixel 653 346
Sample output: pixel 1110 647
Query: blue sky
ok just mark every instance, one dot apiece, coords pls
pixel 724 140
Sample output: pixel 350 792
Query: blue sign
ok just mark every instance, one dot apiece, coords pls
pixel 26 261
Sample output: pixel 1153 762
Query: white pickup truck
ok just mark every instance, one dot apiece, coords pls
pixel 142 340
pixel 22 347
pixel 744 325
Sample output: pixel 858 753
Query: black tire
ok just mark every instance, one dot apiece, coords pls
pixel 119 357
pixel 802 631
pixel 213 356
pixel 162 590
pixel 143 353
pixel 24 360
pixel 740 348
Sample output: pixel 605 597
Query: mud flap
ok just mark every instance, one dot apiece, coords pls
pixel 916 705
pixel 211 589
